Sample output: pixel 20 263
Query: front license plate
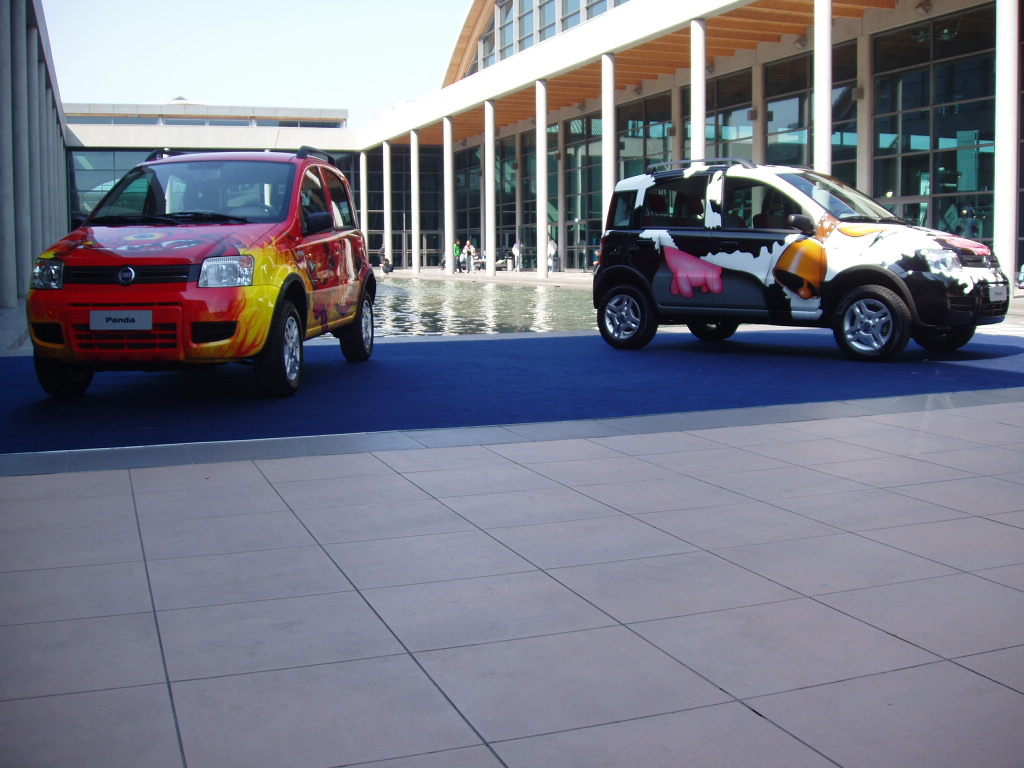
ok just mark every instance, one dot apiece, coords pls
pixel 998 293
pixel 121 320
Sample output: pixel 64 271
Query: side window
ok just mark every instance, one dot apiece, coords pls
pixel 341 202
pixel 676 203
pixel 755 204
pixel 313 199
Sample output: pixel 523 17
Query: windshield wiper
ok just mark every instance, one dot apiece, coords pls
pixel 123 220
pixel 183 216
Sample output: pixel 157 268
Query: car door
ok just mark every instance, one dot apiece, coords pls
pixel 348 249
pixel 320 251
pixel 672 227
pixel 752 237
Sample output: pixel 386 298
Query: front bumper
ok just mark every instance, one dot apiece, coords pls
pixel 195 325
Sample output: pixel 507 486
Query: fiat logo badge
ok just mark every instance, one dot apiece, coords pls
pixel 125 275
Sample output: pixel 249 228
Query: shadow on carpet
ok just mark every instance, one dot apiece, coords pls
pixel 460 382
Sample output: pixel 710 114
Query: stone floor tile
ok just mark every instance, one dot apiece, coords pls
pixel 221 535
pixel 420 517
pixel 331 714
pixel 258 636
pixel 56 594
pixel 951 616
pixel 761 649
pixel 832 563
pixel 543 505
pixel 482 610
pixel 238 577
pixel 541 685
pixel 674 585
pixel 724 735
pixel 416 559
pixel 970 543
pixel 119 728
pixel 938 714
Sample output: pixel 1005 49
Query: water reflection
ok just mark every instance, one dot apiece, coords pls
pixel 411 307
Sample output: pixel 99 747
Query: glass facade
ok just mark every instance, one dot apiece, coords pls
pixel 934 122
pixel 582 192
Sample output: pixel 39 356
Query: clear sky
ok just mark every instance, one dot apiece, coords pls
pixel 360 55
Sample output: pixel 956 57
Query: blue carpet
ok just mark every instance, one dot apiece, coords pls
pixel 471 382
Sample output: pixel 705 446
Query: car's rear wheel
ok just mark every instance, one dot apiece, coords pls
pixel 279 365
pixel 872 323
pixel 713 331
pixel 945 340
pixel 356 338
pixel 62 380
pixel 625 318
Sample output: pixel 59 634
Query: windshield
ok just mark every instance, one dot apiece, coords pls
pixel 199 191
pixel 842 201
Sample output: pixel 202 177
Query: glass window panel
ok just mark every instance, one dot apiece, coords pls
pixel 844 142
pixel 915 175
pixel 844 62
pixel 659 108
pixel 788 148
pixel 905 47
pixel 844 106
pixel 971 122
pixel 971 169
pixel 886 176
pixel 965 79
pixel 787 76
pixel 733 90
pixel 92 160
pixel 915 131
pixel 785 114
pixel 965 34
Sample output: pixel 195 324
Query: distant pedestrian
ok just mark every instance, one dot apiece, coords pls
pixel 552 254
pixel 470 253
pixel 515 255
pixel 457 255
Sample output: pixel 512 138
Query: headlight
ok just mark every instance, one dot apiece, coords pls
pixel 48 274
pixel 940 259
pixel 227 271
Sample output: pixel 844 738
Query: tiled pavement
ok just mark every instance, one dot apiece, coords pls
pixel 836 584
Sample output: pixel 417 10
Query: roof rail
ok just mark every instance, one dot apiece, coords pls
pixel 668 166
pixel 306 151
pixel 158 154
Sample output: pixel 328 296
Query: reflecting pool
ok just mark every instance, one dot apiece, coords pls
pixel 419 307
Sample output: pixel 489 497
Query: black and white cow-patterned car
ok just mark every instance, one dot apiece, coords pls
pixel 716 243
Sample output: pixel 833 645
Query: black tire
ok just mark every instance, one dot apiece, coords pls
pixel 872 323
pixel 625 318
pixel 357 337
pixel 279 365
pixel 713 331
pixel 62 380
pixel 946 340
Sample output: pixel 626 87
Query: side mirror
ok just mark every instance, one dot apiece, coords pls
pixel 801 222
pixel 321 221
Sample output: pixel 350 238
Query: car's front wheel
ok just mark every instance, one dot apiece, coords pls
pixel 713 331
pixel 872 323
pixel 279 365
pixel 625 318
pixel 62 380
pixel 945 340
pixel 356 338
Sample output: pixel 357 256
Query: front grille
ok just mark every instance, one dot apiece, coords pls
pixel 144 275
pixel 162 336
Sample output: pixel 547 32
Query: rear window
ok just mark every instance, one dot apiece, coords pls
pixel 621 214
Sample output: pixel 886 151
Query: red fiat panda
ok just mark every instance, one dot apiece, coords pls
pixel 206 258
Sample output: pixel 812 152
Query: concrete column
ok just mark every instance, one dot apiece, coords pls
pixel 541 140
pixel 22 148
pixel 490 212
pixel 364 197
pixel 389 229
pixel 517 237
pixel 562 227
pixel 698 89
pixel 609 134
pixel 1006 184
pixel 865 116
pixel 757 102
pixel 414 201
pixel 822 90
pixel 678 126
pixel 8 248
pixel 37 144
pixel 449 197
